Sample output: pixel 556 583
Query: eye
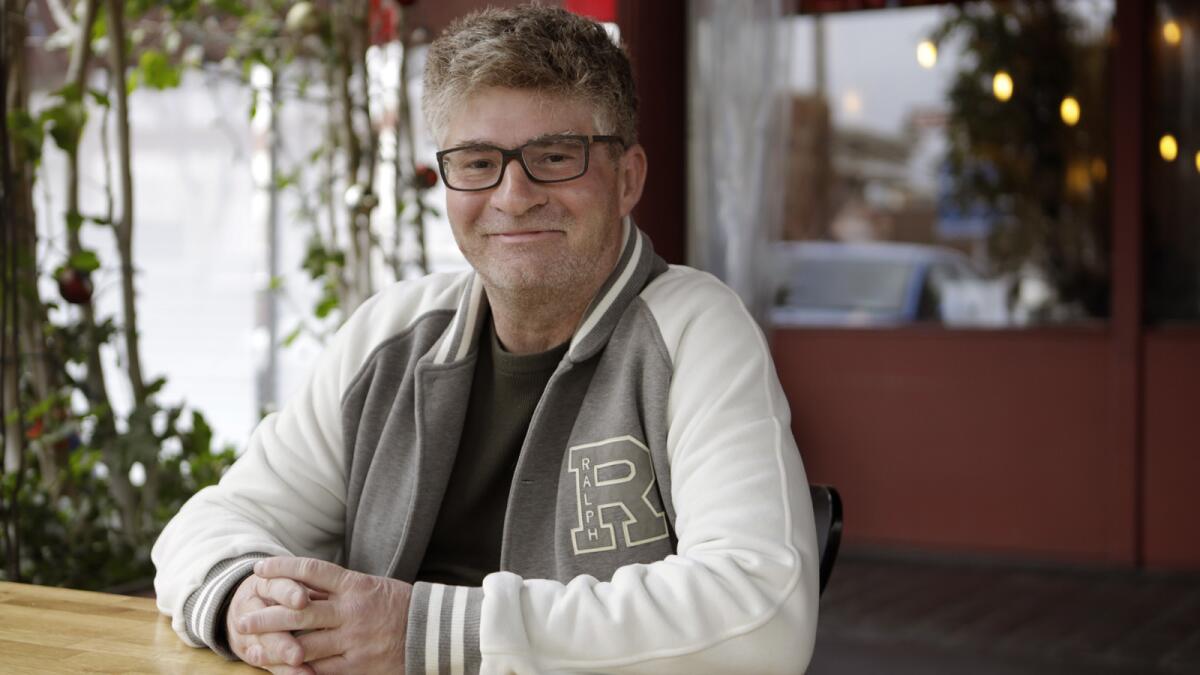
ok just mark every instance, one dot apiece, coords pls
pixel 472 160
pixel 479 164
pixel 554 153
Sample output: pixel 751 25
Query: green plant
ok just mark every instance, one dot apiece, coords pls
pixel 86 490
pixel 75 531
pixel 1044 180
pixel 83 492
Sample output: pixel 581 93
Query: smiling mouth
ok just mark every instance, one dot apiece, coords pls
pixel 527 235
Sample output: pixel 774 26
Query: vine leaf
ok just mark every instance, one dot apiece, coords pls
pixel 84 261
pixel 156 71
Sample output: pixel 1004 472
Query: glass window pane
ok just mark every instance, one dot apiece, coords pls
pixel 1172 185
pixel 968 144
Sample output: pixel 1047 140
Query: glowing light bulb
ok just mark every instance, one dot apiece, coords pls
pixel 1069 111
pixel 1198 161
pixel 1002 85
pixel 1171 32
pixel 852 103
pixel 1168 147
pixel 927 54
pixel 1079 177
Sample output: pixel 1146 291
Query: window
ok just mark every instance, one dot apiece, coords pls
pixel 949 164
pixel 1172 142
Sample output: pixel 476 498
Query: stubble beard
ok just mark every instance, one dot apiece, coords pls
pixel 527 281
pixel 566 279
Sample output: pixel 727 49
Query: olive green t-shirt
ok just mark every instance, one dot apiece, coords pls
pixel 465 545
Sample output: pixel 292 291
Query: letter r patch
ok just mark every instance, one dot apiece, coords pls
pixel 614 484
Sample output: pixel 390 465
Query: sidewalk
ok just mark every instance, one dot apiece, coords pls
pixel 902 617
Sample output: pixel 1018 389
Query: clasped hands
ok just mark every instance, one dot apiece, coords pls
pixel 302 615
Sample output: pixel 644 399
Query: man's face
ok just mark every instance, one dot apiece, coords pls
pixel 536 239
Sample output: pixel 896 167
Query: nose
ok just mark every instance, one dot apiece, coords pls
pixel 516 194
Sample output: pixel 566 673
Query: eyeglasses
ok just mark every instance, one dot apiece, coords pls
pixel 551 159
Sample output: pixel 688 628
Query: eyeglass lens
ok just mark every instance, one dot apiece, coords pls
pixel 478 167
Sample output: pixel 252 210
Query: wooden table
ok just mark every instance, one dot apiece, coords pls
pixel 59 630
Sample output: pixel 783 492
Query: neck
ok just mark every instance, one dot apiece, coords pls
pixel 528 324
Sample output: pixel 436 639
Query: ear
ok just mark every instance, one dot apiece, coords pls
pixel 631 178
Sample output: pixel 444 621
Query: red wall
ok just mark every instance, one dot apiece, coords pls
pixel 1172 449
pixel 981 441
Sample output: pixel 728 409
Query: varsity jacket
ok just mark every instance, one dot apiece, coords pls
pixel 658 521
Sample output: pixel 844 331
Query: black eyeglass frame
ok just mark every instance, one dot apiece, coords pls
pixel 516 153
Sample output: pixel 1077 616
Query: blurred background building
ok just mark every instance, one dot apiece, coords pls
pixel 969 229
pixel 1019 169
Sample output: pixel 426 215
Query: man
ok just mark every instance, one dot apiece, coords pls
pixel 572 458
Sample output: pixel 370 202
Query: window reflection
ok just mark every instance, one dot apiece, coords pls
pixel 948 164
pixel 1173 165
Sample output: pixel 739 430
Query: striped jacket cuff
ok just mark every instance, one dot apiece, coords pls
pixel 443 630
pixel 204 611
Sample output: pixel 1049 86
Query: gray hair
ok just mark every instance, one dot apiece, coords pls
pixel 547 50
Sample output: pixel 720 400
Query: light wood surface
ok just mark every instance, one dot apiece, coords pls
pixel 60 630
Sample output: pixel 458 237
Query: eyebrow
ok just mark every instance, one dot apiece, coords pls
pixel 482 142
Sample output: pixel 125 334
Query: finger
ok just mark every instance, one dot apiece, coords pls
pixel 321 644
pixel 251 603
pixel 282 590
pixel 331 665
pixel 302 669
pixel 318 574
pixel 279 649
pixel 322 614
pixel 240 644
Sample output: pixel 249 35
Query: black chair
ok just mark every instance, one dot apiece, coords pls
pixel 827 511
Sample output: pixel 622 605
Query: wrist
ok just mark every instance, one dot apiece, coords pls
pixel 207 608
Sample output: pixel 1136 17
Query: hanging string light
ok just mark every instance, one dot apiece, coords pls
pixel 927 54
pixel 852 103
pixel 1168 147
pixel 1069 110
pixel 1002 85
pixel 1171 32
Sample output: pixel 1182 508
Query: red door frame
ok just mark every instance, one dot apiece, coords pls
pixel 1127 369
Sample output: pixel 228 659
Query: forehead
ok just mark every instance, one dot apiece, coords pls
pixel 509 117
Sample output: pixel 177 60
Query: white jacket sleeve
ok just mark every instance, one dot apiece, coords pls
pixel 284 496
pixel 741 593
